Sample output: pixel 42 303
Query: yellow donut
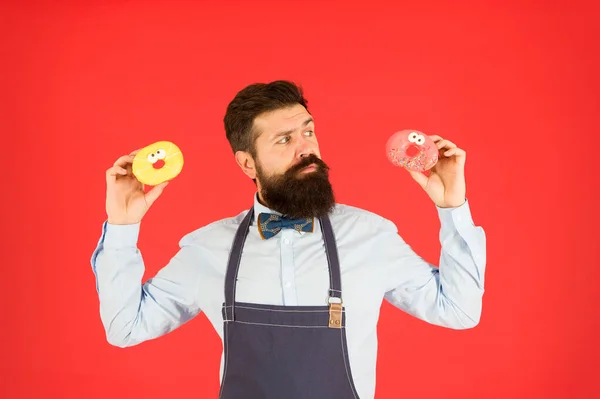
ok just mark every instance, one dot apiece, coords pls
pixel 157 163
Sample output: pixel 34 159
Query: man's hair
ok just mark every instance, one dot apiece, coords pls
pixel 252 101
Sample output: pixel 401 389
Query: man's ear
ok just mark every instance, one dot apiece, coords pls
pixel 246 163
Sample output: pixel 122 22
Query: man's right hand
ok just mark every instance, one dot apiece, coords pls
pixel 126 201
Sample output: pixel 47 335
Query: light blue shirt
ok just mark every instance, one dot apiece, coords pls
pixel 291 269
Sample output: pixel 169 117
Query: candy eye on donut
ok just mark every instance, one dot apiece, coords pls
pixel 160 154
pixel 413 137
pixel 420 140
pixel 152 158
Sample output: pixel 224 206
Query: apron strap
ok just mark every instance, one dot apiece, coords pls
pixel 335 280
pixel 233 265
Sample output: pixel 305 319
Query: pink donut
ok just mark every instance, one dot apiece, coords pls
pixel 412 150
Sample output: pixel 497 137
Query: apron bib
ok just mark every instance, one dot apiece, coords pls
pixel 285 352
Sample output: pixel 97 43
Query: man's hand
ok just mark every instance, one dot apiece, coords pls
pixel 445 184
pixel 126 202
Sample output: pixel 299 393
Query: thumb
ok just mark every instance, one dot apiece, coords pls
pixel 155 192
pixel 419 178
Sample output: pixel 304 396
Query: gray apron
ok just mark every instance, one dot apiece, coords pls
pixel 285 352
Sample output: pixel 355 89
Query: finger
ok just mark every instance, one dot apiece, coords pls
pixel 124 160
pixel 134 153
pixel 155 192
pixel 445 144
pixel 116 171
pixel 455 152
pixel 435 138
pixel 419 177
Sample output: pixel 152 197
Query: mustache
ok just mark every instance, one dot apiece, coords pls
pixel 306 161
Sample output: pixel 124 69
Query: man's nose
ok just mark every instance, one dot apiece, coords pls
pixel 306 152
pixel 305 149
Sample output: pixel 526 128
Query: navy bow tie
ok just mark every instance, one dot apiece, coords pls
pixel 269 224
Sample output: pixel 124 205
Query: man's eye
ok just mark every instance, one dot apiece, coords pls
pixel 284 140
pixel 309 133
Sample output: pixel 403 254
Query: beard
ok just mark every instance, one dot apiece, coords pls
pixel 299 195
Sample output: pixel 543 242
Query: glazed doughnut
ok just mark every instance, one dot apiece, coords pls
pixel 157 163
pixel 412 150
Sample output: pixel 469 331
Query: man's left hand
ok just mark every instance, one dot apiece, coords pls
pixel 445 184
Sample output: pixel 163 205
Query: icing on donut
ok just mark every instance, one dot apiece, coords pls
pixel 412 150
pixel 157 163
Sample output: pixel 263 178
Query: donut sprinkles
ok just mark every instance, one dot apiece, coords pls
pixel 419 162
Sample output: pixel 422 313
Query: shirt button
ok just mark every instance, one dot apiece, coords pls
pixel 286 241
pixel 288 284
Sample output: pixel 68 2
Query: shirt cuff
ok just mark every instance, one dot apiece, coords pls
pixel 456 217
pixel 120 236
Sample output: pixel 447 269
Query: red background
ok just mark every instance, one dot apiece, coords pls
pixel 515 85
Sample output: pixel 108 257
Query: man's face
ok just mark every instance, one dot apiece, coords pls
pixel 291 177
